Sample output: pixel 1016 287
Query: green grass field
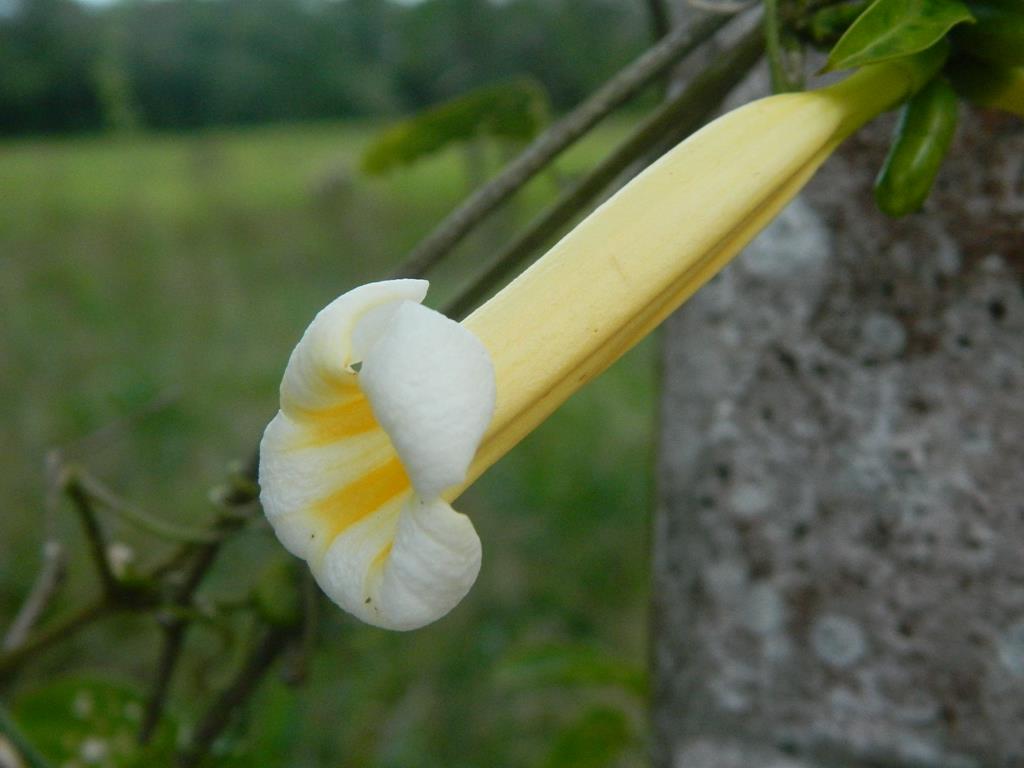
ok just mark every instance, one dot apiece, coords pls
pixel 152 288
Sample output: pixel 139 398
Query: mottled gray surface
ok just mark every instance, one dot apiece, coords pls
pixel 839 550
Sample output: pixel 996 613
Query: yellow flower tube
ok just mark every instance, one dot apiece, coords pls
pixel 389 409
pixel 633 261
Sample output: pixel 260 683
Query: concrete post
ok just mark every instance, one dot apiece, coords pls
pixel 839 544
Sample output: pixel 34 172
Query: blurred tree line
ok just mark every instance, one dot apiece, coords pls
pixel 179 64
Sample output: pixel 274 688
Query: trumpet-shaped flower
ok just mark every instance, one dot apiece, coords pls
pixel 360 465
pixel 353 465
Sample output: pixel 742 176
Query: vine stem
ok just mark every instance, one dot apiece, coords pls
pixel 10 661
pixel 52 571
pixel 47 582
pixel 139 519
pixel 677 117
pixel 259 661
pixel 174 631
pixel 661 22
pixel 94 534
pixel 628 82
pixel 117 595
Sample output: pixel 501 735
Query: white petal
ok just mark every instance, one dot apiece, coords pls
pixel 340 461
pixel 293 478
pixel 431 385
pixel 298 468
pixel 320 362
pixel 433 561
pixel 344 573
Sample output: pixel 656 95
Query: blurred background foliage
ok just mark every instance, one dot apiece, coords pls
pixel 158 261
pixel 180 64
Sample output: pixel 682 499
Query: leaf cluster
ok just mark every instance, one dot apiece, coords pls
pixel 982 42
pixel 513 111
pixel 889 29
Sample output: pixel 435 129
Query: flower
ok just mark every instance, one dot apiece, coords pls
pixel 359 467
pixel 353 465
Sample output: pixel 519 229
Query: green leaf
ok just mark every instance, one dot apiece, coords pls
pixel 16 746
pixel 595 740
pixel 889 29
pixel 514 111
pixel 563 665
pixel 90 721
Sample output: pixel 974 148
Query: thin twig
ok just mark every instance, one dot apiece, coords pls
pixel 93 534
pixel 553 141
pixel 51 573
pixel 173 643
pixel 11 660
pixel 176 627
pixel 682 114
pixel 142 594
pixel 661 23
pixel 170 652
pixel 142 597
pixel 139 519
pixel 47 582
pixel 261 658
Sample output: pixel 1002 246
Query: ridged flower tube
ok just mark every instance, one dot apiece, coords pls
pixel 389 409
